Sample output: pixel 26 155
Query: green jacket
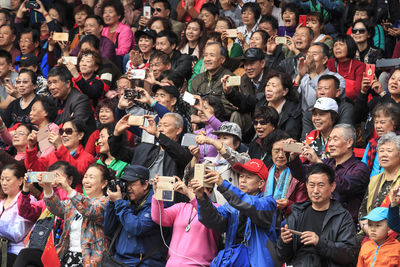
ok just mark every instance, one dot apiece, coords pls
pixel 116 165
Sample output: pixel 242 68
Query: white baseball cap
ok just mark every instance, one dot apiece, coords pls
pixel 326 104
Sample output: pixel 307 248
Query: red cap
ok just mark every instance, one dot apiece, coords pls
pixel 255 166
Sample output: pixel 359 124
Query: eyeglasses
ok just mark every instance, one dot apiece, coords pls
pixel 262 122
pixel 360 31
pixel 19 133
pixel 67 131
pixel 158 9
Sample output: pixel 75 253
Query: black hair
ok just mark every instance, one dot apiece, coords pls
pixel 35 34
pixel 202 38
pixel 49 105
pixel 321 168
pixel 292 7
pixel 273 137
pixel 165 59
pixel 365 6
pixel 324 48
pixel 7 14
pixel 210 7
pixel 217 36
pixel 216 104
pixel 271 20
pixel 28 126
pixel 78 125
pixel 166 4
pixel 61 72
pixel 117 5
pixel 267 113
pixel 109 126
pixel 390 110
pixel 318 15
pixel 330 77
pixel 98 19
pixel 228 20
pixel 165 22
pixel 253 7
pixel 171 36
pixel 91 39
pixel 68 169
pixel 17 170
pixel 174 76
pixel 286 82
pixel 351 45
pixel 6 55
pixel 106 173
pixel 31 73
pixel 108 103
pixel 264 37
pixel 61 10
pixel 369 26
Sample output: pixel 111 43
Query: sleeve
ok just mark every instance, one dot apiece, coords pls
pixel 110 219
pixel 305 6
pixel 55 205
pixel 168 215
pixel 184 66
pixel 336 6
pixel 6 115
pixel 307 125
pixel 91 143
pixel 245 103
pixel 297 169
pixel 90 208
pixel 81 163
pixel 232 156
pixel 181 155
pixel 354 181
pixel 6 136
pixel 28 210
pixel 211 216
pixel 94 90
pixel 360 111
pixel 394 219
pixel 285 252
pixel 136 225
pixel 32 162
pixel 161 110
pixel 125 40
pixel 119 150
pixel 346 113
pixel 214 122
pixel 6 159
pixel 261 211
pixel 343 249
pixel 82 110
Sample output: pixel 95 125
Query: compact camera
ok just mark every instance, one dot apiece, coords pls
pixel 131 94
pixel 32 5
pixel 112 185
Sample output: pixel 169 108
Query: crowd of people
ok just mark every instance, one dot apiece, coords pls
pixel 199 133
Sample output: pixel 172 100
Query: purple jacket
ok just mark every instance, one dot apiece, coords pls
pixel 107 49
pixel 352 178
pixel 209 150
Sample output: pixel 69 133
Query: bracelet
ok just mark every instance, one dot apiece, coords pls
pixel 153 104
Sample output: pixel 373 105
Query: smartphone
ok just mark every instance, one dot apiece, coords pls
pixel 303 20
pixel 47 177
pixel 147 12
pixel 42 139
pixel 280 40
pixel 137 74
pixel 165 188
pixel 61 36
pixel 72 60
pixel 189 98
pixel 370 72
pixel 231 33
pixel 233 81
pixel 136 120
pixel 295 232
pixel 189 139
pixel 293 147
pixel 200 171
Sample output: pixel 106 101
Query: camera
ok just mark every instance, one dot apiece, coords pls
pixel 32 4
pixel 112 185
pixel 131 94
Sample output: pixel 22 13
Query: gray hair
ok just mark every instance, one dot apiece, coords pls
pixel 349 132
pixel 222 49
pixel 178 120
pixel 389 138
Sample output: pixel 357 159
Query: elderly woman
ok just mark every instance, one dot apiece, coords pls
pixel 12 226
pixel 285 189
pixel 385 117
pixel 380 185
pixel 83 241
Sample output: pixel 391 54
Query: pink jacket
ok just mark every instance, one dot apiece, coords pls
pixel 123 39
pixel 32 210
pixel 199 243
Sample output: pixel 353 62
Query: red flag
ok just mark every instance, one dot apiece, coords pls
pixel 50 256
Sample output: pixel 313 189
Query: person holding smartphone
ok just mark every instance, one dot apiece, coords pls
pixel 8 78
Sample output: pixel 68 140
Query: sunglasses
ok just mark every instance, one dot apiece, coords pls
pixel 158 9
pixel 262 122
pixel 361 31
pixel 67 131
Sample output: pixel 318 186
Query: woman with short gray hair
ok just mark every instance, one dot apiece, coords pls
pixel 380 185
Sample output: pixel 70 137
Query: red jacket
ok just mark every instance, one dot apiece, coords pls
pixel 81 160
pixel 32 211
pixel 93 147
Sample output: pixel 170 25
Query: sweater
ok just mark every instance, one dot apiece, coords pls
pixel 199 242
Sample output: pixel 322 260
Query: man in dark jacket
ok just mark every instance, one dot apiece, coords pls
pixel 167 159
pixel 324 233
pixel 70 102
pixel 139 242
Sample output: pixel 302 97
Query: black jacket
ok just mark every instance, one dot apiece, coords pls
pixel 289 120
pixel 76 105
pixel 337 242
pixel 247 87
pixel 176 157
pixel 182 63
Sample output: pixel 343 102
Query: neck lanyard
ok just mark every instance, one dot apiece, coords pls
pixel 190 220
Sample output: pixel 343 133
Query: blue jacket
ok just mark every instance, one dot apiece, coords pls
pixel 139 236
pixel 260 227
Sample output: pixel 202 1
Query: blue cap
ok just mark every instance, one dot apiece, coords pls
pixel 377 214
pixel 133 173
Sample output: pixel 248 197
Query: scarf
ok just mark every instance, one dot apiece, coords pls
pixel 371 154
pixel 282 186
